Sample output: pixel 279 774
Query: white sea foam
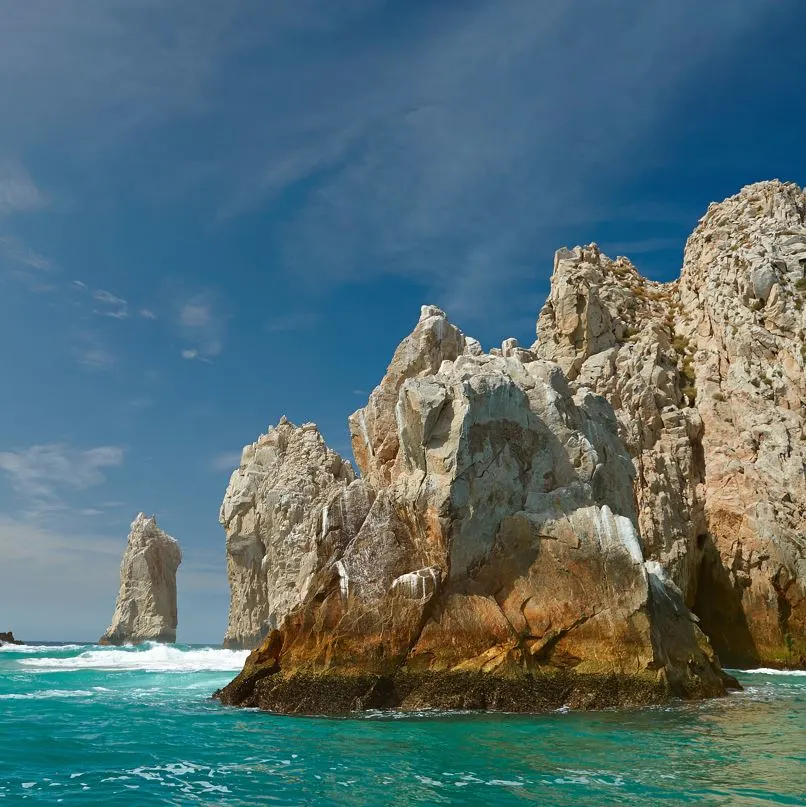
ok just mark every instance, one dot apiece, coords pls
pixel 155 658
pixel 38 648
pixel 770 671
pixel 46 694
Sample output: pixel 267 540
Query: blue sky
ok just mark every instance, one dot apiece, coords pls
pixel 213 214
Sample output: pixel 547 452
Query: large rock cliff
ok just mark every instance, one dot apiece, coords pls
pixel 706 375
pixel 146 603
pixel 488 557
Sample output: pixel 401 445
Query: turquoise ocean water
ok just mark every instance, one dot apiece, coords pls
pixel 135 726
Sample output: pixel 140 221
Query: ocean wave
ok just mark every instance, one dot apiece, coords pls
pixel 770 671
pixel 39 648
pixel 47 694
pixel 149 658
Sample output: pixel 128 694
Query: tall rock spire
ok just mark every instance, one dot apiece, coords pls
pixel 146 603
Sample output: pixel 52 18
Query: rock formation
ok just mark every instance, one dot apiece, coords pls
pixel 146 604
pixel 706 375
pixel 287 509
pixel 559 524
pixel 488 557
pixel 7 637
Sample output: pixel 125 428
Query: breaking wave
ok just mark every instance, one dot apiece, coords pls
pixel 150 657
pixel 770 671
pixel 38 648
pixel 47 694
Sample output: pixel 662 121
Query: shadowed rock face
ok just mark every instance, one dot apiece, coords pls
pixel 488 557
pixel 706 375
pixel 146 604
pixel 7 637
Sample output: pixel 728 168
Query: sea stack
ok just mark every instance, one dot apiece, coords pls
pixel 7 637
pixel 146 603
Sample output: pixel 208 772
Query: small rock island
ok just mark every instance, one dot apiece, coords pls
pixel 146 603
pixel 600 519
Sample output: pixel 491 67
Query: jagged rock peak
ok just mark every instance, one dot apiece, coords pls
pixel 706 375
pixel 770 201
pixel 372 429
pixel 146 602
pixel 595 304
pixel 278 526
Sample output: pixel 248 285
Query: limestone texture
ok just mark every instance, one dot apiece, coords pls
pixel 706 375
pixel 489 555
pixel 146 603
pixel 290 508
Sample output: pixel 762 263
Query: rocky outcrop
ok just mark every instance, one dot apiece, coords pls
pixel 489 556
pixel 146 603
pixel 706 375
pixel 290 508
pixel 7 637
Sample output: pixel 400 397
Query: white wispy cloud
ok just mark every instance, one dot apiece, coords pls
pixel 113 306
pixel 18 192
pixel 196 314
pixel 457 170
pixel 42 471
pixel 90 351
pixel 449 153
pixel 25 265
pixel 19 261
pixel 21 254
pixel 147 313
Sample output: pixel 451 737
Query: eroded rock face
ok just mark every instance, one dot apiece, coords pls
pixel 146 604
pixel 613 332
pixel 291 507
pixel 493 558
pixel 706 375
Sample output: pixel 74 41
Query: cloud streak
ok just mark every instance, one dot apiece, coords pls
pixel 91 352
pixel 42 471
pixel 18 192
pixel 449 153
pixel 113 306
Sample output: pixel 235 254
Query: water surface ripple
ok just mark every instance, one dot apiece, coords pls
pixel 87 725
